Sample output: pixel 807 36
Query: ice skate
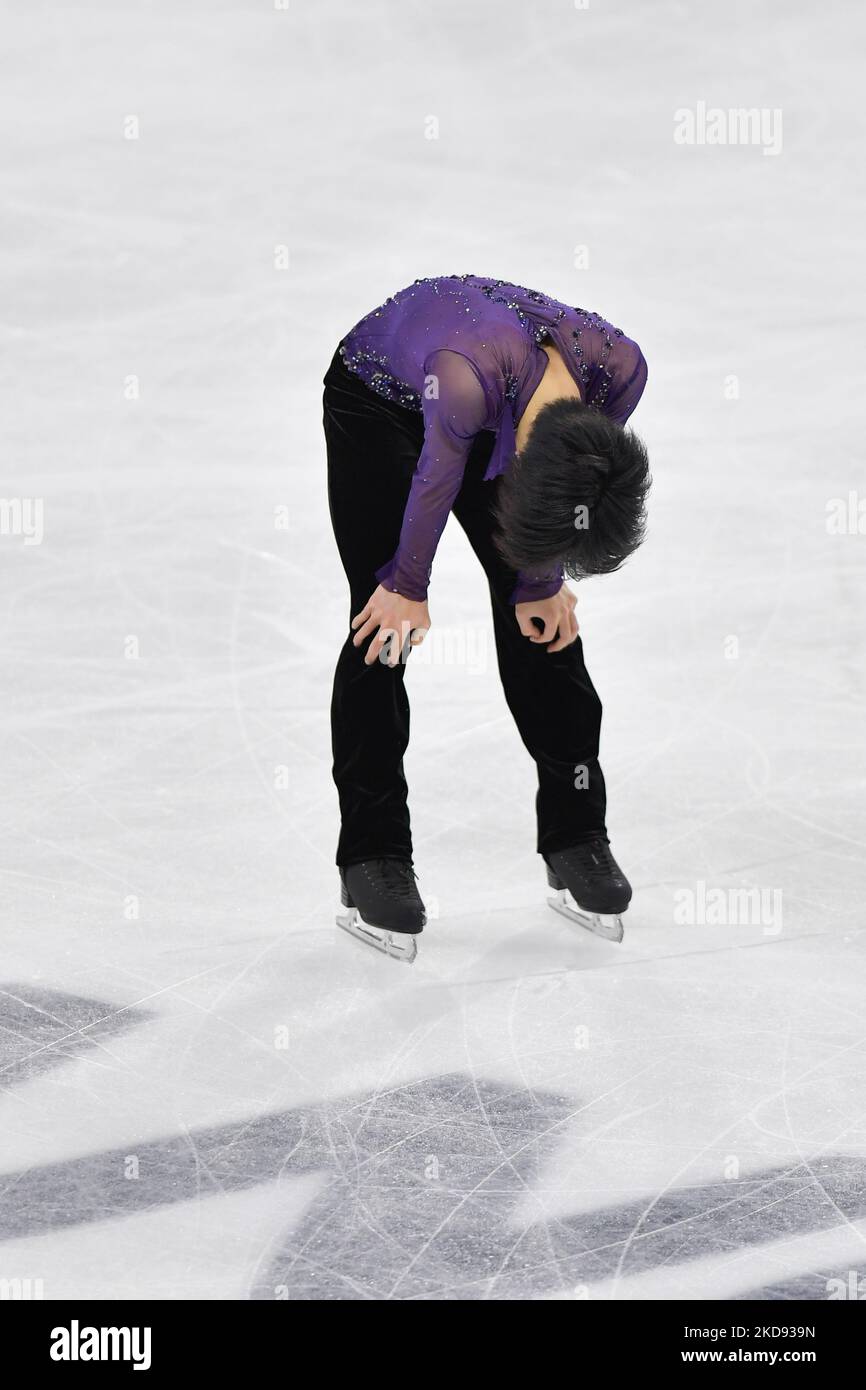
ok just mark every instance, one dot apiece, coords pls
pixel 589 887
pixel 382 906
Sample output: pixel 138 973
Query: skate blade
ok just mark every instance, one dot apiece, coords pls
pixel 600 924
pixel 397 945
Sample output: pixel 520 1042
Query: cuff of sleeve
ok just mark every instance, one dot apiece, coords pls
pixel 533 590
pixel 390 578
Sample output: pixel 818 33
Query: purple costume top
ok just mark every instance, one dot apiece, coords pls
pixel 465 351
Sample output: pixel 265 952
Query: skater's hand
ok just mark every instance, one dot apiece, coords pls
pixel 556 616
pixel 397 619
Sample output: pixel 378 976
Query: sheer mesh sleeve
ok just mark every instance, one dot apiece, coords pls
pixel 628 366
pixel 455 408
pixel 532 586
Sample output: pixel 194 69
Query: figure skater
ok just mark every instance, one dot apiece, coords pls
pixel 473 395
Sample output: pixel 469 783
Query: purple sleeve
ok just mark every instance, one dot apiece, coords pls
pixel 628 365
pixel 532 587
pixel 455 409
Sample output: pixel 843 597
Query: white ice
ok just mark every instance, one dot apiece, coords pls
pixel 208 1091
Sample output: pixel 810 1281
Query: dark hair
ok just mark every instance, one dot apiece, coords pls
pixel 575 458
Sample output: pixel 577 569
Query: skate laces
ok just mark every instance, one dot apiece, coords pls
pixel 398 878
pixel 596 859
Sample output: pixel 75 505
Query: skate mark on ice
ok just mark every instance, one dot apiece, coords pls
pixel 43 1028
pixel 421 1186
pixel 386 1226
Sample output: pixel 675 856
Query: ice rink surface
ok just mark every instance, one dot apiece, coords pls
pixel 208 1091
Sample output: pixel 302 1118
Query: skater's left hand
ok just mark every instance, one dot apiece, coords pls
pixel 557 617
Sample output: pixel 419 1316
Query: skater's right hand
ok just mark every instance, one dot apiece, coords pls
pixel 397 619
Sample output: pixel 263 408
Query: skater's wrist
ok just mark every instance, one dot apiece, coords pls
pixel 400 591
pixel 392 578
pixel 531 590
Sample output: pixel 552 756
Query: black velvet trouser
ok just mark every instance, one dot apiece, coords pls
pixel 373 447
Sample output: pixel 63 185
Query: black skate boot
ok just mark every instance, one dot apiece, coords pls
pixel 590 887
pixel 382 906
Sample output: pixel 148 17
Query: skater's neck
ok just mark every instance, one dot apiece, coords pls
pixel 556 384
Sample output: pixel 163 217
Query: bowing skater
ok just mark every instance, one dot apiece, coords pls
pixel 500 404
